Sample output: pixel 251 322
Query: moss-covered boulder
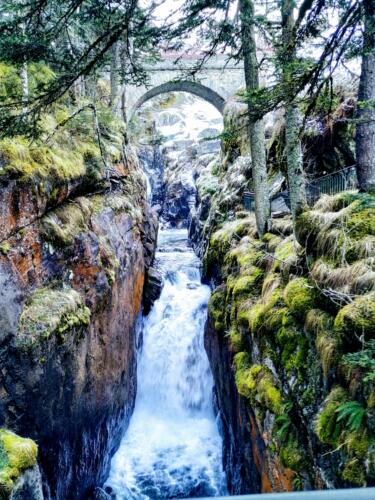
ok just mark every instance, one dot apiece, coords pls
pixel 16 455
pixel 356 320
pixel 340 227
pixel 216 308
pixel 246 285
pixel 257 383
pixel 51 311
pixel 300 297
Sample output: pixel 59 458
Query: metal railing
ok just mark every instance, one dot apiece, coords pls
pixel 346 494
pixel 335 182
pixel 248 201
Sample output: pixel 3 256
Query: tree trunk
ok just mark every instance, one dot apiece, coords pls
pixel 256 128
pixel 90 87
pixel 114 76
pixel 25 88
pixel 296 179
pixel 365 133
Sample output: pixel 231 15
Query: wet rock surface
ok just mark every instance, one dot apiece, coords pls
pixel 152 289
pixel 72 290
pixel 186 129
pixel 238 446
pixel 28 486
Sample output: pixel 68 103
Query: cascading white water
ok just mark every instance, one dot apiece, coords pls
pixel 172 448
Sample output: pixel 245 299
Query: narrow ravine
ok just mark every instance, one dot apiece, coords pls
pixel 172 448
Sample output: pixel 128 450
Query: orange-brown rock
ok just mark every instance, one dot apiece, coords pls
pixel 68 323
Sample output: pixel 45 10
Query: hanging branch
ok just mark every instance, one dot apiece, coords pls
pixel 92 107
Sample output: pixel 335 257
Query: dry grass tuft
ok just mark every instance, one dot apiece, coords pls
pixel 358 277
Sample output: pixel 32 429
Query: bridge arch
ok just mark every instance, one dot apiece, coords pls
pixel 194 88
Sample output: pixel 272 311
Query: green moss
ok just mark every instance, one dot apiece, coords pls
pixel 300 297
pixel 340 227
pixel 292 455
pixel 120 202
pixel 318 321
pixel 40 162
pixel 272 240
pixel 5 248
pixel 220 241
pixel 294 350
pixel 327 427
pixel 361 224
pixel 244 256
pixel 216 308
pixel 354 472
pixel 319 324
pixel 254 317
pixel 241 361
pixel 247 285
pixel 327 346
pixel 356 319
pixel 51 311
pixel 358 442
pixel 265 313
pixel 68 145
pixel 238 227
pixel 285 256
pixel 16 455
pixel 274 318
pixel 61 226
pixel 257 384
pixel 236 341
pixel 246 381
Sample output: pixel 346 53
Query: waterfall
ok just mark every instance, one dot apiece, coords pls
pixel 172 448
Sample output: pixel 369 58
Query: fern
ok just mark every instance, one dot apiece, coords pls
pixel 297 483
pixel 352 413
pixel 365 360
pixel 283 424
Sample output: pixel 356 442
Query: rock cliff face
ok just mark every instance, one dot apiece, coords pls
pixel 290 339
pixel 290 335
pixel 73 257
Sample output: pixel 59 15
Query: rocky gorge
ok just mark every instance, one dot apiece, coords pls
pixel 289 333
pixel 74 254
pixel 77 271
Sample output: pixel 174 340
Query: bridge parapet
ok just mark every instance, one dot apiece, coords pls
pixel 215 81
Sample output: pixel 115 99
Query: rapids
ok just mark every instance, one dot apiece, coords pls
pixel 172 448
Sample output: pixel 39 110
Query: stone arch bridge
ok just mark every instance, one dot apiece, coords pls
pixel 215 81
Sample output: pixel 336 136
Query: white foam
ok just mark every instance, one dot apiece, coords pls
pixel 172 447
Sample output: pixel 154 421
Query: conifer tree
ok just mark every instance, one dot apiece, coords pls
pixel 365 132
pixel 256 128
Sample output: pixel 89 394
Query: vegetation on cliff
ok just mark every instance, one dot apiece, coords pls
pixel 76 139
pixel 51 311
pixel 302 338
pixel 16 455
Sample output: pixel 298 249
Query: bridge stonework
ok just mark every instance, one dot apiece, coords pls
pixel 215 82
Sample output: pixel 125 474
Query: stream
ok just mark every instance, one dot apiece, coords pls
pixel 172 448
